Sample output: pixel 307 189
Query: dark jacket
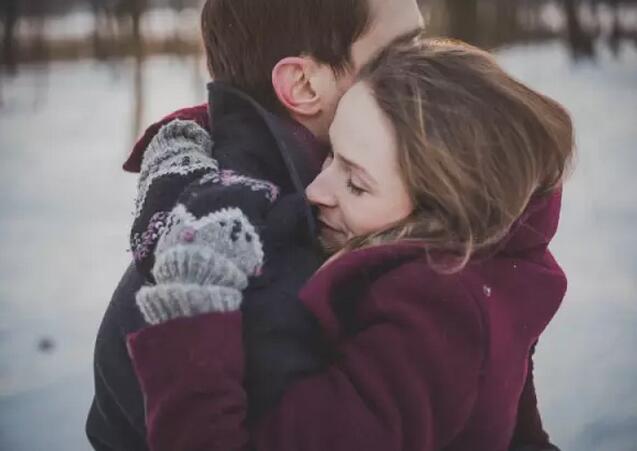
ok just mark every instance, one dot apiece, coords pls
pixel 252 142
pixel 422 361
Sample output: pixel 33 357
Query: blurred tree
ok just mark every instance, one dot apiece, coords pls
pixel 102 20
pixel 110 17
pixel 135 9
pixel 506 20
pixel 581 43
pixel 9 20
pixel 463 19
pixel 118 26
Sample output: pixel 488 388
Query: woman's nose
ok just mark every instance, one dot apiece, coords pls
pixel 318 192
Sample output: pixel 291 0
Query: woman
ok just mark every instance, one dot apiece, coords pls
pixel 444 192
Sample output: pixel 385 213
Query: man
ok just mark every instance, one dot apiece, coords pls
pixel 281 67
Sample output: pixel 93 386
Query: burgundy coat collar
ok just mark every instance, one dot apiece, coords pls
pixel 537 225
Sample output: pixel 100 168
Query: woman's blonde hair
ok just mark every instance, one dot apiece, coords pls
pixel 474 144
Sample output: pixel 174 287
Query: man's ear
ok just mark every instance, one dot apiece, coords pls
pixel 292 81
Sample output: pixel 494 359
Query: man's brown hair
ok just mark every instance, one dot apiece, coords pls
pixel 474 144
pixel 244 39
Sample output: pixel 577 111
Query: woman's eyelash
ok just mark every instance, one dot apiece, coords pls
pixel 353 188
pixel 356 190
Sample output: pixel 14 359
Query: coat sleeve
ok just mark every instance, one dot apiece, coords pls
pixel 116 417
pixel 408 375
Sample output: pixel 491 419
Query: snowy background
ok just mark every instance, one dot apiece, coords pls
pixel 65 209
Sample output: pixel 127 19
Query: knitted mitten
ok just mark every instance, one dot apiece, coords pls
pixel 180 153
pixel 179 168
pixel 179 147
pixel 201 265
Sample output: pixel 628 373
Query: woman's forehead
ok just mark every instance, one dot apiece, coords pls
pixel 361 132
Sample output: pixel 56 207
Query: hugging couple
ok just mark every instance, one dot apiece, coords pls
pixel 345 249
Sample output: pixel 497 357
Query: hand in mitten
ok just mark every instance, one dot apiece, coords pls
pixel 180 146
pixel 201 265
pixel 198 114
pixel 220 248
pixel 180 153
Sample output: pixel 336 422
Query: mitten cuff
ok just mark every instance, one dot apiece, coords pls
pixel 163 302
pixel 197 264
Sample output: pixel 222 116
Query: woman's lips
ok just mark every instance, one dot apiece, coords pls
pixel 327 225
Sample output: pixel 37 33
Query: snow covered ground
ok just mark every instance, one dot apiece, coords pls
pixel 586 362
pixel 65 208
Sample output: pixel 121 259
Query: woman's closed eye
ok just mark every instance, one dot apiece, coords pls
pixel 353 188
pixel 344 167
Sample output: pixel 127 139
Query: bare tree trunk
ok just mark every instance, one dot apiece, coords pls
pixel 136 11
pixel 616 34
pixel 581 44
pixel 9 19
pixel 138 96
pixel 97 8
pixel 463 19
pixel 506 20
pixel 131 12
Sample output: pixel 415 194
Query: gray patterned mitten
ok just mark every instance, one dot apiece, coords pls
pixel 201 265
pixel 179 154
pixel 178 148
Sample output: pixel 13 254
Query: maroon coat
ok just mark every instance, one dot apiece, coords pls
pixel 423 361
